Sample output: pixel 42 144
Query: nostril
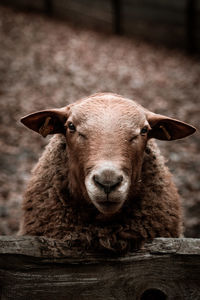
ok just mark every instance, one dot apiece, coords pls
pixel 96 179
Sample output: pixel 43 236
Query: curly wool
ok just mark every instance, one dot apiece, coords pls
pixel 49 209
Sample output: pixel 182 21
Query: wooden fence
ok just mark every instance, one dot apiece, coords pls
pixel 41 268
pixel 171 23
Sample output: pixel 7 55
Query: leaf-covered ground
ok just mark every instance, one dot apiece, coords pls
pixel 45 63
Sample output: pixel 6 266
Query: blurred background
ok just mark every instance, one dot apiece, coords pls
pixel 55 52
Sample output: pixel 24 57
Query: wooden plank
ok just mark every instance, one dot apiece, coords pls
pixel 43 247
pixel 42 268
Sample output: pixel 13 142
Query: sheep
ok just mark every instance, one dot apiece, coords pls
pixel 102 183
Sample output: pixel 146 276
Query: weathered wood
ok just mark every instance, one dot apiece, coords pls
pixel 42 268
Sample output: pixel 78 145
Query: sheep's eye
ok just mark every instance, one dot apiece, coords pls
pixel 144 130
pixel 71 127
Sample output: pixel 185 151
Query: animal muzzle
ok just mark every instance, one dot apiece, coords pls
pixel 108 180
pixel 107 186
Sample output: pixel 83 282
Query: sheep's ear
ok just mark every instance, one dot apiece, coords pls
pixel 164 128
pixel 47 121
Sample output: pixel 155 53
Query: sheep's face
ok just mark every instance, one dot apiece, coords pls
pixel 106 138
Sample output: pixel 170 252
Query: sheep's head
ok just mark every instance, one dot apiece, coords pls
pixel 106 138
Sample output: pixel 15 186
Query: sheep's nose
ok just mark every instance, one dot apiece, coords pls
pixel 108 180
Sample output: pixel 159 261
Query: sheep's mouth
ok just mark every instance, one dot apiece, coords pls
pixel 108 204
pixel 108 207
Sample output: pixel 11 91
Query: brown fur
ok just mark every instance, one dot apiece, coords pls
pixel 56 203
